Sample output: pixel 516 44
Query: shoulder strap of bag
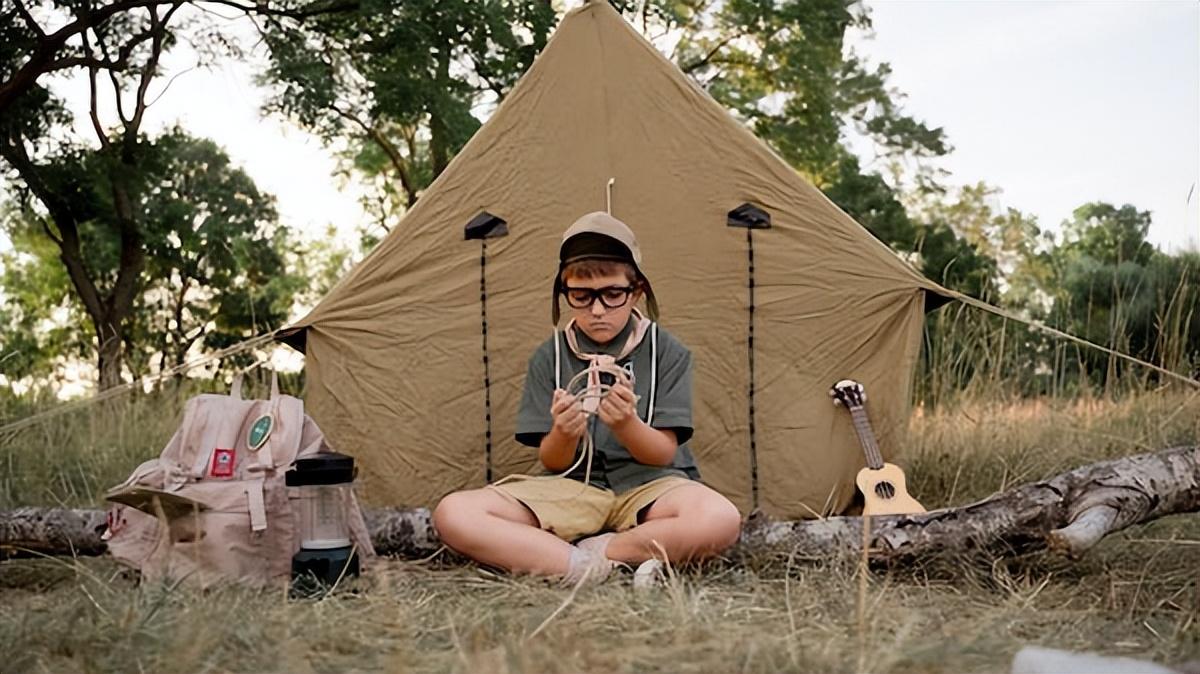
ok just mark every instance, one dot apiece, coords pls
pixel 235 388
pixel 557 361
pixel 653 372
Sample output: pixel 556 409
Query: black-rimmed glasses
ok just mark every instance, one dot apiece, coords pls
pixel 612 297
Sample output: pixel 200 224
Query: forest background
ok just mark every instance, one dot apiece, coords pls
pixel 132 251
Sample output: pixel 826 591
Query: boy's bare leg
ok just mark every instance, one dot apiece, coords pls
pixel 494 528
pixel 690 522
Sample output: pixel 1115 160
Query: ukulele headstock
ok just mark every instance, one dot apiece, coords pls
pixel 849 393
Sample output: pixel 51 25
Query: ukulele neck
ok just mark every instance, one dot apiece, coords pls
pixel 862 426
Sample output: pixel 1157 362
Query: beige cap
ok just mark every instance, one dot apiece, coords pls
pixel 600 236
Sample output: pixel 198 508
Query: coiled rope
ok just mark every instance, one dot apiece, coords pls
pixel 597 391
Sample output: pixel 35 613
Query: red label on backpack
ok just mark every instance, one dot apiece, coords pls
pixel 222 463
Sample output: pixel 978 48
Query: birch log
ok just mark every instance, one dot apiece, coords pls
pixel 1067 514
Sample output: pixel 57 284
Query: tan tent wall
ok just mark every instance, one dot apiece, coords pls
pixel 395 352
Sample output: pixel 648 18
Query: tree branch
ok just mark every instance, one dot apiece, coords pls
pixel 49 232
pixel 707 58
pixel 44 59
pixel 264 10
pixel 29 20
pixel 93 108
pixel 394 156
pixel 13 151
pixel 158 29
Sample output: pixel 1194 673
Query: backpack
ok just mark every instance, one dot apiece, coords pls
pixel 213 508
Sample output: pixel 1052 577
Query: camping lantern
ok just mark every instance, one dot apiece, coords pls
pixel 323 485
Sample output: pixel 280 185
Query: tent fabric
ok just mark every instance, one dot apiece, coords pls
pixel 398 374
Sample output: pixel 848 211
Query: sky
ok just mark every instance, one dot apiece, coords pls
pixel 1058 103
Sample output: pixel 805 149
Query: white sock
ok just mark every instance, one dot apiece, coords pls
pixel 597 545
pixel 585 565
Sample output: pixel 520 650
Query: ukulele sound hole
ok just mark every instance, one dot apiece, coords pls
pixel 885 490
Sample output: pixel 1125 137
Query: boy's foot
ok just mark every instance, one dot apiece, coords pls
pixel 650 573
pixel 596 545
pixel 586 567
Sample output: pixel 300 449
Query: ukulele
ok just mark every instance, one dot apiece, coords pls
pixel 881 484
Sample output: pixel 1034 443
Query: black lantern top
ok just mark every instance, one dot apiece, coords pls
pixel 324 468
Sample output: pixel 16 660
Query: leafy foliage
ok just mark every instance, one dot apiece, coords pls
pixel 784 68
pixel 399 82
pixel 1112 287
pixel 134 217
pixel 216 261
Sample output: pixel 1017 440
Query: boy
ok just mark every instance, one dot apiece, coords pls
pixel 639 482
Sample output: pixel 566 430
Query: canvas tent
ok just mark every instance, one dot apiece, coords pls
pixel 416 359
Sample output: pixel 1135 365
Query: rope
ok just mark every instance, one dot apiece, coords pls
pixel 1004 313
pixel 599 391
pixel 129 386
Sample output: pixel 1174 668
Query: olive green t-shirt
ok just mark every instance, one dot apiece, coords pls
pixel 613 467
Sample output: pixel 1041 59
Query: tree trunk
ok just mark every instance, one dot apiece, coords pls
pixel 110 344
pixel 439 141
pixel 1067 514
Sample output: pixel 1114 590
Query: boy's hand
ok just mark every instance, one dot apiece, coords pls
pixel 568 415
pixel 619 407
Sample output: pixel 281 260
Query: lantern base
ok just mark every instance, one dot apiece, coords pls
pixel 326 566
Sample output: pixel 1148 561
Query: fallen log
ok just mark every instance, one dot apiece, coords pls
pixel 1067 514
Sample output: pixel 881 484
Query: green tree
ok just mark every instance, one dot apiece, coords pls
pixel 785 69
pixel 215 269
pixel 404 83
pixel 112 38
pixel 399 81
pixel 87 200
pixel 1108 284
pixel 1108 234
pixel 934 242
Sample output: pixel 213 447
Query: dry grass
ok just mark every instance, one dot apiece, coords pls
pixel 1137 594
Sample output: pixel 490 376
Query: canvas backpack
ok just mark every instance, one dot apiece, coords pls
pixel 212 508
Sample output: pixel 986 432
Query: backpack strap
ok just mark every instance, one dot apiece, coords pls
pixel 557 361
pixel 235 388
pixel 256 505
pixel 653 372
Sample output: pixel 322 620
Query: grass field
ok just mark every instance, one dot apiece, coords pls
pixel 1137 594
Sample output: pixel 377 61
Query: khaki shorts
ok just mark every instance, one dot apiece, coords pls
pixel 570 509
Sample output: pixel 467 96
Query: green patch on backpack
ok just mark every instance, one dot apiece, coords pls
pixel 259 432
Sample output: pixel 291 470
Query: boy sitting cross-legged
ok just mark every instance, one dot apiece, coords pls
pixel 639 496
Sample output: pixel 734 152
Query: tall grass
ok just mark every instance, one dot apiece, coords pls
pixel 978 429
pixel 1137 594
pixel 971 355
pixel 71 458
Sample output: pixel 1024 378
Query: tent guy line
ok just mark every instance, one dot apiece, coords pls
pixel 1006 314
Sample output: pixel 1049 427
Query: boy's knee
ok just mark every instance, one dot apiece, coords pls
pixel 725 521
pixel 452 514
